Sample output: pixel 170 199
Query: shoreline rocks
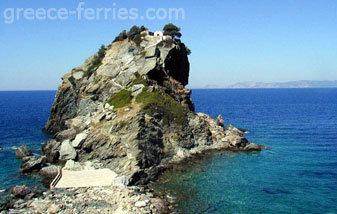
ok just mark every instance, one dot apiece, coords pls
pixel 23 151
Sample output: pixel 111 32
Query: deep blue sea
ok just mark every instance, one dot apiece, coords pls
pixel 22 116
pixel 297 174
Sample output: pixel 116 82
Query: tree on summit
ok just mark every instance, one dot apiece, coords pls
pixel 172 30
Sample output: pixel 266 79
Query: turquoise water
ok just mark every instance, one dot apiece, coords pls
pixel 22 116
pixel 297 174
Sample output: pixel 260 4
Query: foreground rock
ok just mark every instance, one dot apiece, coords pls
pixel 121 200
pixel 23 151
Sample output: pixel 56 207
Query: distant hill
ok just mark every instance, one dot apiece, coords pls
pixel 291 84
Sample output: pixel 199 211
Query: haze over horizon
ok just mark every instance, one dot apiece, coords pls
pixel 231 41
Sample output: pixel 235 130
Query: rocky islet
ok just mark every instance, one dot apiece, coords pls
pixel 127 109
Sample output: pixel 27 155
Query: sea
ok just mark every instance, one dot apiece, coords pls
pixel 297 173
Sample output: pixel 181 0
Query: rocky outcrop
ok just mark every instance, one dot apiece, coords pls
pixel 131 112
pixel 30 164
pixel 127 109
pixel 23 151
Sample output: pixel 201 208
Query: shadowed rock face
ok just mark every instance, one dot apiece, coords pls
pixel 132 113
pixel 177 64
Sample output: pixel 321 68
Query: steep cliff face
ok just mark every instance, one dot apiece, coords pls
pixel 127 108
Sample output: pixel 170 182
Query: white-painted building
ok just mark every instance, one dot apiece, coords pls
pixel 158 33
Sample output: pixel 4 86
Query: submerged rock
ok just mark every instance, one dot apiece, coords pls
pixel 23 151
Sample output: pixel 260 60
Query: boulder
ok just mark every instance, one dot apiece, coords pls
pixel 49 171
pixel 66 134
pixel 23 151
pixel 30 164
pixel 220 121
pixel 79 139
pixel 137 89
pixel 67 152
pixel 51 150
pixel 20 191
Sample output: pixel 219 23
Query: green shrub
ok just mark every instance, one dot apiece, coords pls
pixel 72 81
pixel 157 102
pixel 138 39
pixel 120 99
pixel 189 52
pixel 122 36
pixel 135 30
pixel 96 62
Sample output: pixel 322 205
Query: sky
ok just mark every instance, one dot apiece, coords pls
pixel 231 40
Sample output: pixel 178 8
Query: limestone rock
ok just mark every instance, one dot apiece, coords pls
pixel 66 134
pixel 137 89
pixel 77 142
pixel 30 164
pixel 140 204
pixel 49 171
pixel 23 151
pixel 67 152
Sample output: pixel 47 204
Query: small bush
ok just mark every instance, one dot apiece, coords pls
pixel 138 39
pixel 72 81
pixel 122 36
pixel 189 52
pixel 120 99
pixel 157 102
pixel 96 61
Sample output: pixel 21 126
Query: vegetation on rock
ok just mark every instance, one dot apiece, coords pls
pixel 96 61
pixel 72 81
pixel 134 34
pixel 172 30
pixel 160 103
pixel 120 99
pixel 122 36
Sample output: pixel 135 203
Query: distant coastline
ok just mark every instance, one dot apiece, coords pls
pixel 273 85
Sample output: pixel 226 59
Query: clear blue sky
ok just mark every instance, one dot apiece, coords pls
pixel 231 40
